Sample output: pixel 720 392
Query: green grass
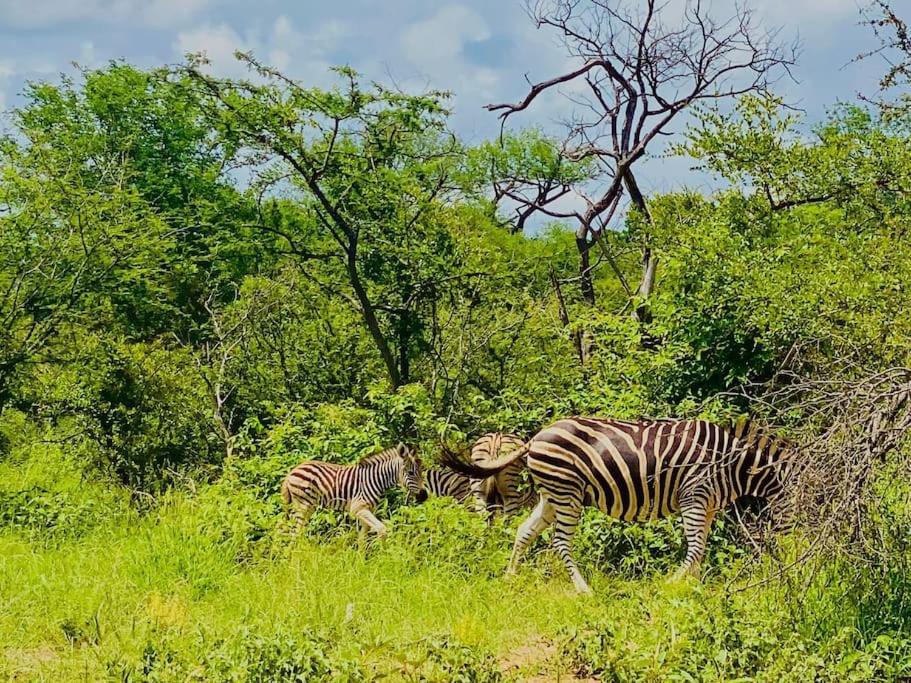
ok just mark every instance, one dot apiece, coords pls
pixel 208 586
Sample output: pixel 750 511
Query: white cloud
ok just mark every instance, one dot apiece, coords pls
pixel 218 42
pixel 151 13
pixel 435 47
pixel 442 37
pixel 6 72
pixel 159 13
pixel 295 52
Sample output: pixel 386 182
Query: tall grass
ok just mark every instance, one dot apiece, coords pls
pixel 208 585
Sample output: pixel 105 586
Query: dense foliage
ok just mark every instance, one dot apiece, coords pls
pixel 205 281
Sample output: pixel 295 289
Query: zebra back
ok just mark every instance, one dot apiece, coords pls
pixel 645 468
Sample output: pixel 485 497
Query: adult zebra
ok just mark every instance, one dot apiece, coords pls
pixel 355 489
pixel 636 471
pixel 502 488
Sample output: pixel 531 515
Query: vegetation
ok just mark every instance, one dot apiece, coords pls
pixel 205 281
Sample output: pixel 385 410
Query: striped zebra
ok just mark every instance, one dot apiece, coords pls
pixel 499 490
pixel 444 482
pixel 639 471
pixel 355 489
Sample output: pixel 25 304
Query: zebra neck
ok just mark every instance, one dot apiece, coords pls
pixel 381 475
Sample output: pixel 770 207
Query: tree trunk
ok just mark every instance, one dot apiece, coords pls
pixel 373 325
pixel 635 195
pixel 649 260
pixel 585 274
pixel 404 337
pixel 564 317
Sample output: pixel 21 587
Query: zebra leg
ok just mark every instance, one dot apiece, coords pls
pixel 697 520
pixel 540 518
pixel 565 528
pixel 480 495
pixel 369 522
pixel 510 496
pixel 300 514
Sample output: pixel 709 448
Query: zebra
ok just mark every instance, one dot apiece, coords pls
pixel 445 482
pixel 640 470
pixel 500 489
pixel 355 489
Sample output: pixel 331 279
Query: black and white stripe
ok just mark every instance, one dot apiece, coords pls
pixel 355 489
pixel 447 483
pixel 639 471
pixel 502 489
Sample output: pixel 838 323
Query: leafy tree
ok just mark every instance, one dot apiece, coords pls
pixel 370 171
pixel 73 234
pixel 167 156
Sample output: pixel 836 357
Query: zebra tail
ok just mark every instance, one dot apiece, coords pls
pixel 457 462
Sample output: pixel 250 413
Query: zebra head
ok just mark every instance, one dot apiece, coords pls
pixel 775 464
pixel 410 475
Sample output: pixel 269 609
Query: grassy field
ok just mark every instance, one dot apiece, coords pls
pixel 207 585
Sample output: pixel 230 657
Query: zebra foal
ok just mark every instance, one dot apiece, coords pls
pixel 639 470
pixel 355 489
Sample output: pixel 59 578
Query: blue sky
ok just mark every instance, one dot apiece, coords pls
pixel 479 49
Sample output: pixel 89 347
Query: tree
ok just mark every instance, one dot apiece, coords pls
pixel 119 129
pixel 528 174
pixel 895 48
pixel 637 70
pixel 72 232
pixel 369 170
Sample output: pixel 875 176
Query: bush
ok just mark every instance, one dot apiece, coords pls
pixel 456 538
pixel 637 549
pixel 47 513
pixel 712 636
pixel 442 660
pixel 146 408
pixel 340 433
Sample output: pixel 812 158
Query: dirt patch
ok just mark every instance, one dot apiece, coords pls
pixel 538 662
pixel 20 663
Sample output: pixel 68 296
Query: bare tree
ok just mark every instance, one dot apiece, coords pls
pixel 228 330
pixel 895 49
pixel 639 65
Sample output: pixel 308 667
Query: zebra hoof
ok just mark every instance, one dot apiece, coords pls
pixel 584 590
pixel 682 576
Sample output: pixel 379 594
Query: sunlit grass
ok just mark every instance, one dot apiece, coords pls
pixel 210 586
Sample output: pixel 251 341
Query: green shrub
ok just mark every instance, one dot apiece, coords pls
pixel 41 512
pixel 442 660
pixel 247 657
pixel 450 536
pixel 146 408
pixel 717 637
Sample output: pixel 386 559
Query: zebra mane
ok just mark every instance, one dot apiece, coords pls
pixel 382 456
pixel 753 432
